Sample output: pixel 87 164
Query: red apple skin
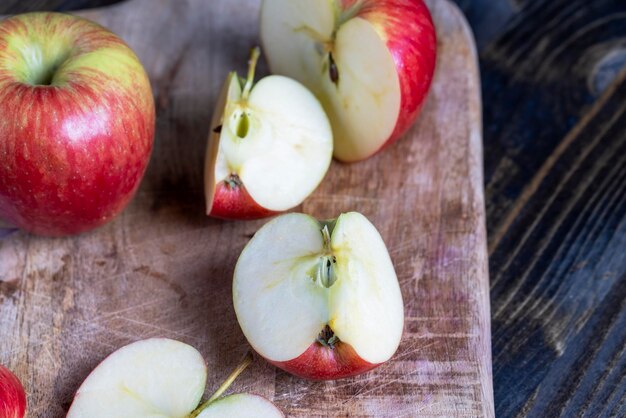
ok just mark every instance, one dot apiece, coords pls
pixel 319 362
pixel 235 203
pixel 407 28
pixel 12 395
pixel 71 155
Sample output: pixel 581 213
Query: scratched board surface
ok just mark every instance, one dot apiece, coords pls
pixel 164 269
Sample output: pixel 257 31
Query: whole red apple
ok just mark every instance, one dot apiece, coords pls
pixel 370 62
pixel 12 395
pixel 77 123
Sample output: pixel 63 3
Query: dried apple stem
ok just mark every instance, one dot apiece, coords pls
pixel 255 53
pixel 224 387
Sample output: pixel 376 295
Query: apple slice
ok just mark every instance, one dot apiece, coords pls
pixel 241 405
pixel 319 299
pixel 157 378
pixel 12 395
pixel 270 146
pixel 149 378
pixel 369 62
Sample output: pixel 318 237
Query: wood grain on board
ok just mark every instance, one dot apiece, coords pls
pixel 555 171
pixel 163 269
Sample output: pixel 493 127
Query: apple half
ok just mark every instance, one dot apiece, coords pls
pixel 161 378
pixel 369 62
pixel 269 148
pixel 320 300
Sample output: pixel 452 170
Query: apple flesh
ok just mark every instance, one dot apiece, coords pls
pixel 320 300
pixel 369 62
pixel 159 377
pixel 12 395
pixel 241 405
pixel 77 123
pixel 270 146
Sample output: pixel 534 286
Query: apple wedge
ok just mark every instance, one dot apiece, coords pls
pixel 369 62
pixel 270 146
pixel 160 378
pixel 320 300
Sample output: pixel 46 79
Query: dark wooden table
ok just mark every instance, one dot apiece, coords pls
pixel 554 97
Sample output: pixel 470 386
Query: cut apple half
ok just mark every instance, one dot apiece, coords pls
pixel 269 148
pixel 370 63
pixel 319 299
pixel 158 378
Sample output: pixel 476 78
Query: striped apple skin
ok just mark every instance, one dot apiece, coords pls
pixel 77 123
pixel 12 395
pixel 320 362
pixel 235 203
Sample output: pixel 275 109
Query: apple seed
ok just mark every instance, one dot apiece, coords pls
pixel 333 71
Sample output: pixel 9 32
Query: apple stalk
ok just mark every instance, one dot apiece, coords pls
pixel 255 53
pixel 243 124
pixel 224 386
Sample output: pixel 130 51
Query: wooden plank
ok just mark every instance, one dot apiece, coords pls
pixel 163 269
pixel 559 297
pixel 542 75
pixel 553 139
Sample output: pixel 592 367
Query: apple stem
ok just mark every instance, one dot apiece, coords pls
pixel 326 237
pixel 255 53
pixel 231 378
pixel 224 387
pixel 347 14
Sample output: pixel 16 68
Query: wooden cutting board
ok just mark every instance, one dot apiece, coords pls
pixel 164 269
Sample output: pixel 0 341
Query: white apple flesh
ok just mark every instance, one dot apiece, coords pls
pixel 319 299
pixel 270 147
pixel 160 378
